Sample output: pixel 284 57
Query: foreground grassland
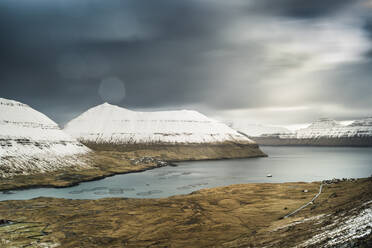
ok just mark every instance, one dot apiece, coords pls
pixel 108 160
pixel 246 215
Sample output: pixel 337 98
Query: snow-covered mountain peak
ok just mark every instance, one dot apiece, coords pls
pixel 325 132
pixel 114 124
pixel 319 128
pixel 367 122
pixel 329 128
pixel 323 123
pixel 18 119
pixel 255 130
pixel 28 135
pixel 114 112
pixel 8 102
pixel 107 105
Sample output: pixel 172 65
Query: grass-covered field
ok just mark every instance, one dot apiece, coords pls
pixel 245 215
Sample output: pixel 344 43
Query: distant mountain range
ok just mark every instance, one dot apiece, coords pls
pixel 324 132
pixel 254 130
pixel 30 141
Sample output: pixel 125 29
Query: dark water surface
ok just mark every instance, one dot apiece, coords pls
pixel 286 164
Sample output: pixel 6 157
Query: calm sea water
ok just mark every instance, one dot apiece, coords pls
pixel 286 164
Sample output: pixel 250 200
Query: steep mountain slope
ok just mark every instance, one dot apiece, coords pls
pixel 31 142
pixel 109 127
pixel 324 132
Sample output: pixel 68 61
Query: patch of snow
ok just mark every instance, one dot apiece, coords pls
pixel 316 217
pixel 108 123
pixel 349 228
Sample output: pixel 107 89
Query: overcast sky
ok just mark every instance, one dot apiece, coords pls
pixel 262 61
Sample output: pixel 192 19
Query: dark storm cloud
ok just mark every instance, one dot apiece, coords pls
pixel 139 41
pixel 212 54
pixel 368 27
pixel 303 9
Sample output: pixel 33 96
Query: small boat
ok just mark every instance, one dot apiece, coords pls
pixel 269 175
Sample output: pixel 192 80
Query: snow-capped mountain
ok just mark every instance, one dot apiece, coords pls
pixel 254 130
pixel 328 128
pixel 108 123
pixel 324 132
pixel 31 142
pixel 361 128
pixel 323 127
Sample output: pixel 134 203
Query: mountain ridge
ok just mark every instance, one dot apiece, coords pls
pixel 120 125
pixel 324 132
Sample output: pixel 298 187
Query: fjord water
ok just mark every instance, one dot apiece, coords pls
pixel 286 164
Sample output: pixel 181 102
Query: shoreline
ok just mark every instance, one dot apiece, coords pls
pixel 314 142
pixel 105 164
pixel 165 197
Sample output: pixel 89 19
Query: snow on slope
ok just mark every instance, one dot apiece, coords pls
pixel 331 129
pixel 30 141
pixel 323 127
pixel 328 128
pixel 107 123
pixel 255 130
pixel 344 230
